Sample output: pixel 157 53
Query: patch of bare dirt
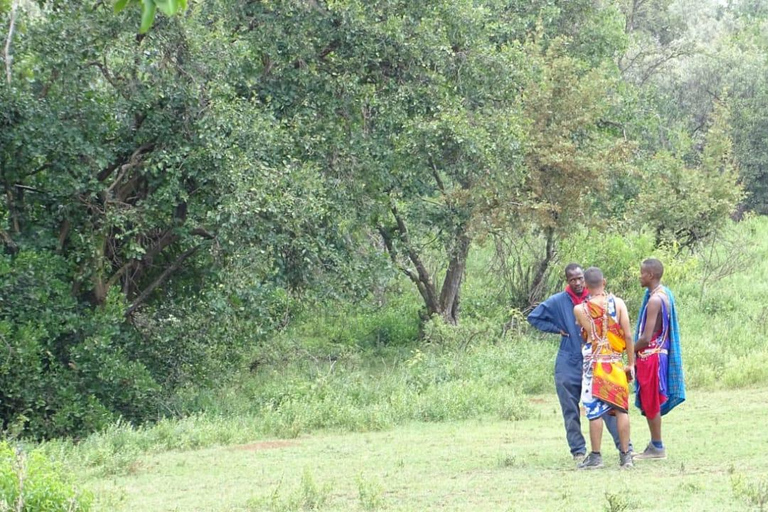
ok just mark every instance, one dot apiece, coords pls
pixel 265 445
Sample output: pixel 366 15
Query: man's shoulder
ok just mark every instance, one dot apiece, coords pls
pixel 559 296
pixel 555 298
pixel 657 301
pixel 555 302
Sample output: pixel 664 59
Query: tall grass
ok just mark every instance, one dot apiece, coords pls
pixel 348 394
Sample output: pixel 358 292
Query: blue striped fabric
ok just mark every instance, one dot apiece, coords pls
pixel 675 379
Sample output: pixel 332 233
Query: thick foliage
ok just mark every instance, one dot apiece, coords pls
pixel 65 367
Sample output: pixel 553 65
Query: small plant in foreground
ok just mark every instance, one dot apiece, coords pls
pixel 308 496
pixel 369 493
pixel 754 493
pixel 616 502
pixel 506 460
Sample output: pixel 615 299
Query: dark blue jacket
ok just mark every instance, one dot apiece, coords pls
pixel 554 315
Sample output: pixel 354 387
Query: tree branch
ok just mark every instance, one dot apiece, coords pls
pixel 117 275
pixel 387 237
pixel 663 60
pixel 19 186
pixel 133 159
pixel 7 51
pixel 161 279
pixel 8 241
pixel 203 233
pixel 429 293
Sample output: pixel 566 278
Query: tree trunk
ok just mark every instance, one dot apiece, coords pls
pixel 446 304
pixel 450 293
pixel 535 294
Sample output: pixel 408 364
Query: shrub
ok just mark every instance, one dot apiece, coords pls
pixel 308 496
pixel 29 482
pixel 754 493
pixel 65 369
pixel 369 493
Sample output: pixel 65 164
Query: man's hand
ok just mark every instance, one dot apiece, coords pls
pixel 563 333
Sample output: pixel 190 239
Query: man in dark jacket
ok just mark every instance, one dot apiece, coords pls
pixel 555 315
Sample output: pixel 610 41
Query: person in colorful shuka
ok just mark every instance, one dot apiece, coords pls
pixel 555 315
pixel 605 387
pixel 659 385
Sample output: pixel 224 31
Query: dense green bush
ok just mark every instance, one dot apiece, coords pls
pixel 65 367
pixel 29 482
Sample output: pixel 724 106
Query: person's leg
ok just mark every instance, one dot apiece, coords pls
pixel 654 425
pixel 594 459
pixel 625 457
pixel 569 393
pixel 655 449
pixel 622 421
pixel 596 434
pixel 650 403
pixel 613 429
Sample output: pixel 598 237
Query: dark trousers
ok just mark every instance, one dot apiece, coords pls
pixel 569 393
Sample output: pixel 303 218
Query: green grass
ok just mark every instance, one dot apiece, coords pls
pixel 433 385
pixel 715 461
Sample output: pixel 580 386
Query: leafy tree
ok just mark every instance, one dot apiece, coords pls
pixel 138 184
pixel 570 154
pixel 703 193
pixel 396 105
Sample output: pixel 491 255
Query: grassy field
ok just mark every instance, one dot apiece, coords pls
pixel 717 462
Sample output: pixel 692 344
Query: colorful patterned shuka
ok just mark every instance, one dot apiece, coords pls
pixel 605 385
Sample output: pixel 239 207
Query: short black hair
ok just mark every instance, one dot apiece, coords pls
pixel 593 276
pixel 655 267
pixel 570 268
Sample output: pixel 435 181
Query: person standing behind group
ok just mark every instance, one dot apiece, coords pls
pixel 605 388
pixel 659 384
pixel 555 315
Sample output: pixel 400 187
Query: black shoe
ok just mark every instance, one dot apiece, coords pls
pixel 592 461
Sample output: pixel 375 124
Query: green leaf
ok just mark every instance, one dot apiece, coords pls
pixel 120 5
pixel 168 7
pixel 147 16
